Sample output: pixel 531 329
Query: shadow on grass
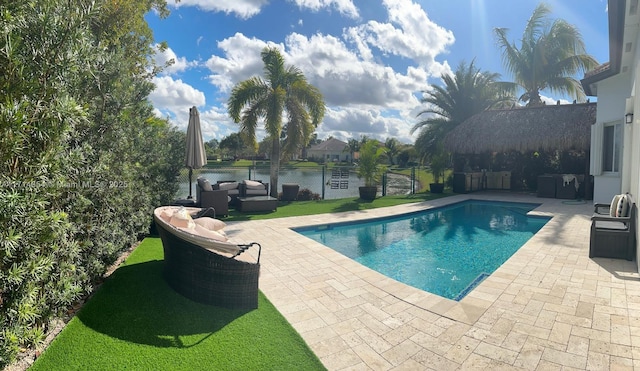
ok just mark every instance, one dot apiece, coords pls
pixel 136 305
pixel 353 205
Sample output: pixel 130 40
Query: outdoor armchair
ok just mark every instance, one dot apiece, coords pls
pixel 207 197
pixel 613 229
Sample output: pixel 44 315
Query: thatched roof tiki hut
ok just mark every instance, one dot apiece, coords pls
pixel 559 127
pixel 547 128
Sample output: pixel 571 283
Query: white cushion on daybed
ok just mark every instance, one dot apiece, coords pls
pixel 208 233
pixel 198 235
pixel 210 223
pixel 181 219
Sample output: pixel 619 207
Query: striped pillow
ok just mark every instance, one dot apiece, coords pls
pixel 613 208
pixel 622 208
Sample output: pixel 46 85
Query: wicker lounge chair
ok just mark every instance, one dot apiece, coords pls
pixel 207 270
pixel 209 197
pixel 613 236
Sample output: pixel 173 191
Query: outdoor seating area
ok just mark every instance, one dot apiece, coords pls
pixel 203 264
pixel 613 231
pixel 224 193
pixel 564 186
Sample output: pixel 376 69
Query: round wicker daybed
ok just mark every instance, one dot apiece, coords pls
pixel 202 266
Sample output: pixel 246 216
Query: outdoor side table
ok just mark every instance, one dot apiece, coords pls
pixel 290 191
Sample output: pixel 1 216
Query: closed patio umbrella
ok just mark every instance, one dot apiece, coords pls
pixel 195 156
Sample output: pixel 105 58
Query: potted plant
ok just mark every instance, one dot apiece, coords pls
pixel 369 168
pixel 438 165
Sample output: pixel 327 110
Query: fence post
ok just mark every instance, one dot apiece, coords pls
pixel 413 180
pixel 322 185
pixel 384 183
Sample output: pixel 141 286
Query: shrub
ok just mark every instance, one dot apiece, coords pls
pixel 306 194
pixel 83 160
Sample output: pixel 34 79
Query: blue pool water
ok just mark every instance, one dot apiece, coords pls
pixel 445 251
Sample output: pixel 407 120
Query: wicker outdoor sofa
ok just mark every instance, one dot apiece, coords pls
pixel 203 267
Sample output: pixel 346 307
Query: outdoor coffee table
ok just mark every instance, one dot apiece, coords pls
pixel 257 203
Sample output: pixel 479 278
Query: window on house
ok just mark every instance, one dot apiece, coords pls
pixel 612 148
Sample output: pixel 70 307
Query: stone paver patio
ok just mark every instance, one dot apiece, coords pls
pixel 549 307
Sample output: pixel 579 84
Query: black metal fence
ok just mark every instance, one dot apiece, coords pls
pixel 328 183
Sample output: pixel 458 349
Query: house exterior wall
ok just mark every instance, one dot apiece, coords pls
pixel 631 175
pixel 612 95
pixel 329 155
pixel 616 87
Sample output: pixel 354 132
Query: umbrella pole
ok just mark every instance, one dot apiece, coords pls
pixel 190 175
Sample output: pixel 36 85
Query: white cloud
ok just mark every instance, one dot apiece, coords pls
pixel 410 34
pixel 248 8
pixel 342 77
pixel 179 64
pixel 345 7
pixel 553 101
pixel 346 80
pixel 241 60
pixel 350 123
pixel 216 123
pixel 173 98
pixel 241 8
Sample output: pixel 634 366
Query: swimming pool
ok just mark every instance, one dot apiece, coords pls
pixel 446 251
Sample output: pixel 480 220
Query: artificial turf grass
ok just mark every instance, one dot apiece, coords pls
pixel 136 321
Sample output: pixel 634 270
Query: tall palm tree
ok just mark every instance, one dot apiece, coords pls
pixel 467 92
pixel 549 54
pixel 285 89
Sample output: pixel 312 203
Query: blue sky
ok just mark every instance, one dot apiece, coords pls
pixel 371 59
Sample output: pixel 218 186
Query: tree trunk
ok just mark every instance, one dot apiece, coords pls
pixel 275 167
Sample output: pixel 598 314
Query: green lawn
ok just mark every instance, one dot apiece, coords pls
pixel 299 208
pixel 136 322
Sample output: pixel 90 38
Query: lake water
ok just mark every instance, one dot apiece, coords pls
pixel 343 185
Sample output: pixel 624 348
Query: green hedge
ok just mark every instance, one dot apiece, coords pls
pixel 83 160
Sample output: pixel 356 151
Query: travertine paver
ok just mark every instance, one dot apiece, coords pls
pixel 548 307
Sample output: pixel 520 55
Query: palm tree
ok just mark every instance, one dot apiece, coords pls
pixel 285 90
pixel 548 55
pixel 353 146
pixel 467 92
pixel 393 148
